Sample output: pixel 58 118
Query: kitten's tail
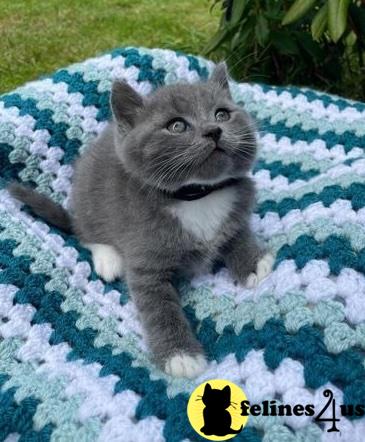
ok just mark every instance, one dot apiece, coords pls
pixel 42 206
pixel 232 431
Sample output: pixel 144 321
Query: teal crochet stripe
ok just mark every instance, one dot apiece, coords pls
pixel 348 139
pixel 354 193
pixel 63 328
pixel 336 249
pixel 292 171
pixel 18 418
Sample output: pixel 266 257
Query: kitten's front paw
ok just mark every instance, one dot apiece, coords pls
pixel 185 365
pixel 263 268
pixel 107 261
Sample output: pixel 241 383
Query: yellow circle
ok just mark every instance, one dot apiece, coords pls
pixel 214 409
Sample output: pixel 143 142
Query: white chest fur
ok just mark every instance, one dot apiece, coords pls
pixel 204 217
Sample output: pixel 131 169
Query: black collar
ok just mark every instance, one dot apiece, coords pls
pixel 196 191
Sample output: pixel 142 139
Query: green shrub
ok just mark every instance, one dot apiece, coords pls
pixel 320 43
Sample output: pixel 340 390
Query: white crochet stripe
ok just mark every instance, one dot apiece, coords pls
pixel 119 427
pixel 339 217
pixel 301 104
pixel 287 382
pixel 318 149
pixel 13 437
pixel 340 212
pixel 177 67
pixel 339 174
pixel 350 431
pixel 25 122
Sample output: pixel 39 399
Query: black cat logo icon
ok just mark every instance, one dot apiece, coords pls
pixel 214 409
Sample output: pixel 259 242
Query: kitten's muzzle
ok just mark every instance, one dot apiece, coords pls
pixel 214 133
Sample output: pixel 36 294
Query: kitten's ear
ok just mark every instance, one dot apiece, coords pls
pixel 207 389
pixel 220 76
pixel 125 103
pixel 227 391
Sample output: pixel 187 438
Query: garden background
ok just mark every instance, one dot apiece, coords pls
pixel 315 43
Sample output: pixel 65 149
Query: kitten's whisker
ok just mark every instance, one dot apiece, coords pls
pixel 166 168
pixel 179 170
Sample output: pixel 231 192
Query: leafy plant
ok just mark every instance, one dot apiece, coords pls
pixel 307 42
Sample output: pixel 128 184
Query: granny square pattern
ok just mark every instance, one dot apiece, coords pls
pixel 73 362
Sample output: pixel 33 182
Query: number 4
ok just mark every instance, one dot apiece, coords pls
pixel 329 394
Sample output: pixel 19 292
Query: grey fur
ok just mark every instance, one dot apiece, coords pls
pixel 117 197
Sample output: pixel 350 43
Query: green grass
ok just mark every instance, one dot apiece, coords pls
pixel 39 36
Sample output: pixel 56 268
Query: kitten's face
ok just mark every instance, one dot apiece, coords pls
pixel 183 134
pixel 220 399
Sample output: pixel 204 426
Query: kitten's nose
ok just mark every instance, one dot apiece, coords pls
pixel 214 133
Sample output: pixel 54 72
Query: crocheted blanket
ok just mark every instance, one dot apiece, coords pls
pixel 73 362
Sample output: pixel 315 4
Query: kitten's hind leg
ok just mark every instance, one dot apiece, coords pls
pixel 108 262
pixel 185 365
pixel 263 268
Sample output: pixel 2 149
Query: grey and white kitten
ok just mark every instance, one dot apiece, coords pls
pixel 164 191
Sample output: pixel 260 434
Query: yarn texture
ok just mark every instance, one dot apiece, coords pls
pixel 73 362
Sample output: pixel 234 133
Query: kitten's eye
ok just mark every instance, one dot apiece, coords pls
pixel 177 126
pixel 222 115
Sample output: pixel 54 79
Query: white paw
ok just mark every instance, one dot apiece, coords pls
pixel 183 365
pixel 107 261
pixel 263 268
